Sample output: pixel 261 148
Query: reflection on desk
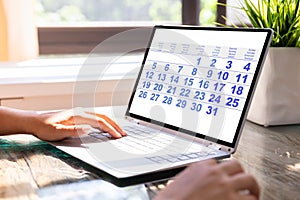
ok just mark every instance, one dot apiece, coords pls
pixel 272 155
pixel 32 169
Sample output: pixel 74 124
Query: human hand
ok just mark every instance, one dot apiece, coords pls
pixel 52 126
pixel 207 180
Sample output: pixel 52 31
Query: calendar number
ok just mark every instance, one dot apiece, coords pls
pixel 237 89
pixel 203 84
pixel 199 61
pixel 143 94
pixel 158 87
pixel 174 79
pixel 247 67
pixel 189 81
pixel 209 73
pixel 154 97
pixel 223 75
pixel 185 92
pixel 211 110
pixel 161 77
pixel 167 67
pixel 196 106
pixel 229 64
pixel 232 102
pixel 241 78
pixel 146 84
pixel 194 72
pixel 213 62
pixel 219 86
pixel 171 89
pixel 214 98
pixel 167 100
pixel 181 103
pixel 179 69
pixel 149 75
pixel 154 65
pixel 199 95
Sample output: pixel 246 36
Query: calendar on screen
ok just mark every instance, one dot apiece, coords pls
pixel 198 80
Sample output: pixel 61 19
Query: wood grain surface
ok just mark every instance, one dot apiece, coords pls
pixel 33 169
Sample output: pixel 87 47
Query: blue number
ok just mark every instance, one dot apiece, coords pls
pixel 199 95
pixel 229 62
pixel 154 97
pixel 143 94
pixel 162 77
pixel 232 102
pixel 174 79
pixel 158 87
pixel 239 76
pixel 167 67
pixel 181 103
pixel 194 72
pixel 167 100
pixel 185 92
pixel 223 75
pixel 203 84
pixel 171 89
pixel 188 81
pixel 180 68
pixel 198 61
pixel 219 86
pixel 212 110
pixel 247 67
pixel 209 73
pixel 237 90
pixel 196 107
pixel 214 98
pixel 154 65
pixel 149 75
pixel 146 84
pixel 213 62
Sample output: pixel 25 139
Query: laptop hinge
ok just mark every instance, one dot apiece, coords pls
pixel 215 146
pixel 132 120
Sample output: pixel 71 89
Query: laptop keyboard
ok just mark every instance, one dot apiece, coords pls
pixel 180 157
pixel 140 140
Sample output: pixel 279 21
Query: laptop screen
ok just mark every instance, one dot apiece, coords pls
pixel 199 80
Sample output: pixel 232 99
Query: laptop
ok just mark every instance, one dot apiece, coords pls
pixel 189 103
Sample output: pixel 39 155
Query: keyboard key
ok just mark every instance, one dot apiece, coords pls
pixel 173 160
pixel 202 154
pixel 183 157
pixel 157 159
pixel 192 155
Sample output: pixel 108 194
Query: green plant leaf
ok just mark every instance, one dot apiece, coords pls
pixel 283 16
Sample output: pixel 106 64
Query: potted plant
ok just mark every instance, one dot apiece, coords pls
pixel 276 100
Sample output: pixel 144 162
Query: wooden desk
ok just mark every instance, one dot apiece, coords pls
pixel 272 155
pixel 32 169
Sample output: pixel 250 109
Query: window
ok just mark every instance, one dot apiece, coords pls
pixel 77 26
pixel 51 12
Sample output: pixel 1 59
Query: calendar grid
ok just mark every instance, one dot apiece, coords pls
pixel 193 81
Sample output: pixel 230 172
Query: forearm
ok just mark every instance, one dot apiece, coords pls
pixel 57 125
pixel 16 121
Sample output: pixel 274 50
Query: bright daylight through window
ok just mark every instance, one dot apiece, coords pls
pixel 70 12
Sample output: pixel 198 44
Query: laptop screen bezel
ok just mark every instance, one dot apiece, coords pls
pixel 248 98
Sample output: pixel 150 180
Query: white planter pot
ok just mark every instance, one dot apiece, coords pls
pixel 276 100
